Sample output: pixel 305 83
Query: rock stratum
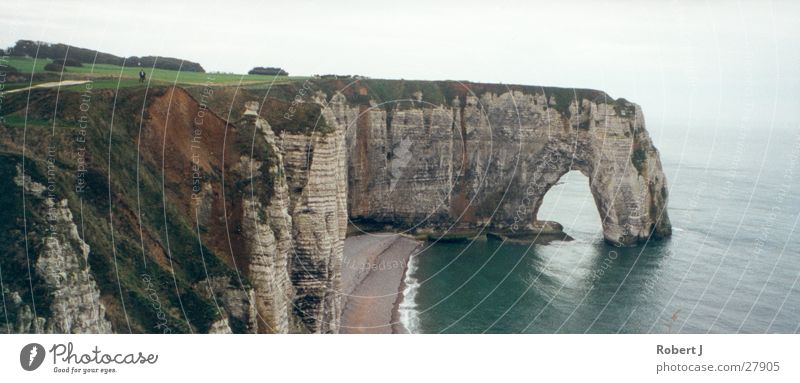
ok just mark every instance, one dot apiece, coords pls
pixel 216 210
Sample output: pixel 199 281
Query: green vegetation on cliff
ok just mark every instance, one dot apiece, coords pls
pixel 108 75
pixel 169 253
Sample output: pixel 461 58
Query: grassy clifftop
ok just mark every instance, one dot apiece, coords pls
pixel 441 92
pixel 358 90
pixel 110 76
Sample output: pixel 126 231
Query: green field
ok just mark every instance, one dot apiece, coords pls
pixel 25 64
pixel 107 76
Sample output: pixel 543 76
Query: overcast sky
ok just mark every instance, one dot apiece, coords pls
pixel 686 62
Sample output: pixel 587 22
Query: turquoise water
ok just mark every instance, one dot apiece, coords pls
pixel 732 264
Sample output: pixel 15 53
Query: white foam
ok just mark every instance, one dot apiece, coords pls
pixel 409 316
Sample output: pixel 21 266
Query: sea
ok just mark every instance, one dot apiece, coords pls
pixel 732 264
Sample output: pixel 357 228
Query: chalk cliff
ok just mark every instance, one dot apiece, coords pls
pixel 485 161
pixel 188 222
pixel 302 229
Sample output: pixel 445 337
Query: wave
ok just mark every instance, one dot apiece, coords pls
pixel 409 315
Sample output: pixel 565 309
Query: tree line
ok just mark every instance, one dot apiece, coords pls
pixel 68 53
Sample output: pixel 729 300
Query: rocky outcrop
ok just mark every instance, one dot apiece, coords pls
pixel 486 161
pixel 294 224
pixel 266 228
pixel 234 303
pixel 316 174
pixel 61 261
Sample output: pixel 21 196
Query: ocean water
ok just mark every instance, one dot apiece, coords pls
pixel 731 266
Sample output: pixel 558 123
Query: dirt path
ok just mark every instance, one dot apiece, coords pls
pixel 48 85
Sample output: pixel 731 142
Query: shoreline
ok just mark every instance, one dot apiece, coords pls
pixel 397 324
pixel 373 282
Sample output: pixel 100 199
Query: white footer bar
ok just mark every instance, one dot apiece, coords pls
pixel 399 358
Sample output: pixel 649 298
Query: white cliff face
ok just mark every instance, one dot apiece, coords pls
pixel 488 162
pixel 62 262
pixel 267 230
pixel 316 174
pixel 295 231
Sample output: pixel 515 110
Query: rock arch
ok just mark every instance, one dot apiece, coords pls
pixel 487 163
pixel 630 199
